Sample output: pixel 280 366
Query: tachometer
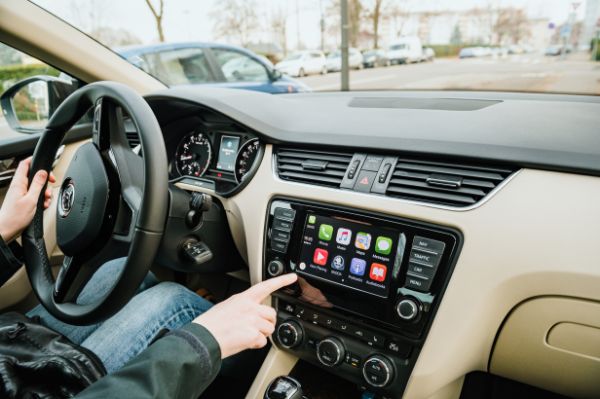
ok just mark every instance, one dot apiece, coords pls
pixel 245 158
pixel 193 155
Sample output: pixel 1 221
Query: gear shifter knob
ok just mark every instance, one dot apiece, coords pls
pixel 284 388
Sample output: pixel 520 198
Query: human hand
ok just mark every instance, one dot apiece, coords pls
pixel 20 203
pixel 242 322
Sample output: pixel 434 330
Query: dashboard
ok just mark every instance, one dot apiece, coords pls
pixel 463 214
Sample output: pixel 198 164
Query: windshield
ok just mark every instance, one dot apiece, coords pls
pixel 489 45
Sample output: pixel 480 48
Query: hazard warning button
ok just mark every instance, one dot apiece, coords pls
pixel 364 181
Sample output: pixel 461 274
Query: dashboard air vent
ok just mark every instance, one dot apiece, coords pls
pixel 130 131
pixel 444 183
pixel 324 168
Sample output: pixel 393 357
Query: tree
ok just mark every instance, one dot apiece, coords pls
pixel 456 38
pixel 279 26
pixel 235 20
pixel 374 13
pixel 158 18
pixel 512 24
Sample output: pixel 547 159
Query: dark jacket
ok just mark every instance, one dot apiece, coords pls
pixel 179 365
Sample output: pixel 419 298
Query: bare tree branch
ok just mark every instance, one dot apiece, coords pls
pixel 158 18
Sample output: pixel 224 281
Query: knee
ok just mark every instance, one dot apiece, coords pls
pixel 166 297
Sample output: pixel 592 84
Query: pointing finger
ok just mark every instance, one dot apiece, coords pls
pixel 262 290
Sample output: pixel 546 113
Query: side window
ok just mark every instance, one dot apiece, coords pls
pixel 29 101
pixel 238 67
pixel 177 67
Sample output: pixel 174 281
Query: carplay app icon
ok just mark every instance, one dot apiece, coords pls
pixel 358 266
pixel 325 232
pixel 363 240
pixel 344 236
pixel 338 263
pixel 383 245
pixel 378 272
pixel 320 257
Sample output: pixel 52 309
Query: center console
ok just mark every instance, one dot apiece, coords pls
pixel 367 291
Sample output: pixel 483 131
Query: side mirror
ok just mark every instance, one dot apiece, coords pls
pixel 29 103
pixel 276 75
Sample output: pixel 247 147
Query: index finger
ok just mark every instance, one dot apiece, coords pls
pixel 262 290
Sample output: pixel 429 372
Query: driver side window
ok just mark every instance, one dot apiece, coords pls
pixel 238 67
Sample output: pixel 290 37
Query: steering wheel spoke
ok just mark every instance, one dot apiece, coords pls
pixel 72 277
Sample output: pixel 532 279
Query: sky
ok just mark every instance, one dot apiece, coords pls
pixel 191 20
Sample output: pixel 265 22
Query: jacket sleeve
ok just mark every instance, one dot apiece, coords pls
pixel 179 365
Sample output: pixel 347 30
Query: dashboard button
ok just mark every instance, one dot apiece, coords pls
pixel 424 257
pixel 331 351
pixel 420 270
pixel 375 340
pixel 358 332
pixel 378 371
pixel 372 163
pixel 290 333
pixel 417 283
pixel 275 268
pixel 280 235
pixel 397 348
pixel 428 243
pixel 364 181
pixel 282 224
pixel 278 246
pixel 353 360
pixel 285 213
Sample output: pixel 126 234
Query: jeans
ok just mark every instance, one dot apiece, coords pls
pixel 156 306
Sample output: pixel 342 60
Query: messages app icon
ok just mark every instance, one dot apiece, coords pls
pixel 383 245
pixel 325 232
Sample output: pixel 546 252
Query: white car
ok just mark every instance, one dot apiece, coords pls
pixel 334 60
pixel 303 63
pixel 407 49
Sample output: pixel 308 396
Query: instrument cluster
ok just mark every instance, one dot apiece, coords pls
pixel 220 160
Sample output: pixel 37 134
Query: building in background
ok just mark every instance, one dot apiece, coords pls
pixel 590 21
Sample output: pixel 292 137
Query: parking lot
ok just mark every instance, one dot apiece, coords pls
pixel 527 72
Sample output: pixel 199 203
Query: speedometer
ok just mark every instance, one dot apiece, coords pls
pixel 193 155
pixel 245 158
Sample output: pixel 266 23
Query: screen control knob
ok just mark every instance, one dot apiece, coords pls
pixel 407 309
pixel 378 371
pixel 290 334
pixel 330 351
pixel 275 268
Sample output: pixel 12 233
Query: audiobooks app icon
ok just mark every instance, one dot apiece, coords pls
pixel 378 272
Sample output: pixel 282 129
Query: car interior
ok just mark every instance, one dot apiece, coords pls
pixel 477 214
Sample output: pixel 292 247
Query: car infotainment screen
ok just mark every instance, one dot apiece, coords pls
pixel 349 253
pixel 228 152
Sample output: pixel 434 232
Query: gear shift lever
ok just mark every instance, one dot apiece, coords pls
pixel 284 388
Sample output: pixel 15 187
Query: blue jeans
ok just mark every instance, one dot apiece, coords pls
pixel 118 339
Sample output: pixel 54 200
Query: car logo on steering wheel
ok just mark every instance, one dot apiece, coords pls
pixel 67 197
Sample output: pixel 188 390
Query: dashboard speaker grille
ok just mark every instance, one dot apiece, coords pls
pixel 323 168
pixel 444 183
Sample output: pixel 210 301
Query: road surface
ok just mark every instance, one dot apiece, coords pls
pixel 528 72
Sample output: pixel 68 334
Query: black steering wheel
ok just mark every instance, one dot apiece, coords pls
pixel 110 196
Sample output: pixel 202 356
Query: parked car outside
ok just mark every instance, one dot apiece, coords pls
pixel 375 58
pixel 554 50
pixel 428 54
pixel 334 60
pixel 407 49
pixel 211 64
pixel 303 63
pixel 475 52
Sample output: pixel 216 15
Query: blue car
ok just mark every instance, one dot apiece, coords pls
pixel 211 64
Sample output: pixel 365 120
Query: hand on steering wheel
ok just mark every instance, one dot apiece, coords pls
pixel 110 198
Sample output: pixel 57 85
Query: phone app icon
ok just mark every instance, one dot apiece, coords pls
pixel 383 245
pixel 363 240
pixel 338 263
pixel 344 236
pixel 378 272
pixel 325 232
pixel 320 257
pixel 358 266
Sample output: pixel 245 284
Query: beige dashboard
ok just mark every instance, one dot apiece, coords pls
pixel 535 237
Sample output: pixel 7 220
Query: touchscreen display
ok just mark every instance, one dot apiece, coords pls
pixel 356 255
pixel 228 152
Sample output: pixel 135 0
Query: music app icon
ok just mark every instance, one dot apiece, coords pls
pixel 344 236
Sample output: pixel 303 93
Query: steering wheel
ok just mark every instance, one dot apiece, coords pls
pixel 110 197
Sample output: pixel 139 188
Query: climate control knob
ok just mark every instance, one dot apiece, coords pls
pixel 331 351
pixel 275 268
pixel 290 334
pixel 407 309
pixel 378 371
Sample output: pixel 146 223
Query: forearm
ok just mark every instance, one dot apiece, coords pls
pixel 180 365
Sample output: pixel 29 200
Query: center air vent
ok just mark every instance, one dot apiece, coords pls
pixel 317 167
pixel 444 183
